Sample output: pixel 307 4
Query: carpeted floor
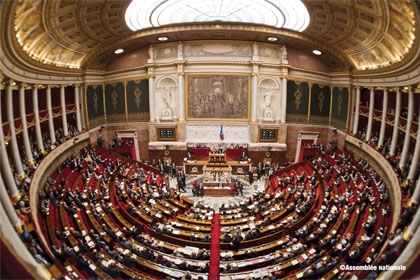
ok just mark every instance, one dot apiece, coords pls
pixel 214 266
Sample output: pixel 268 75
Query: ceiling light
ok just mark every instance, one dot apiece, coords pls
pixel 163 38
pixel 118 51
pixel 317 52
pixel 272 39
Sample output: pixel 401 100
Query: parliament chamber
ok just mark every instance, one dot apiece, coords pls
pixel 218 139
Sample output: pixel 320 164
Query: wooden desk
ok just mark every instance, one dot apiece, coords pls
pixel 216 191
pixel 196 167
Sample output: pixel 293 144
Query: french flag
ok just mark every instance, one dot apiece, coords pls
pixel 222 135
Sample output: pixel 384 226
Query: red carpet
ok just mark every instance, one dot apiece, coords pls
pixel 214 269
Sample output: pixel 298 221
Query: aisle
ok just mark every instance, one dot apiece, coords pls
pixel 214 266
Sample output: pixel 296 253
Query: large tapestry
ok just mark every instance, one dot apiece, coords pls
pixel 297 101
pixel 95 105
pixel 320 104
pixel 137 96
pixel 218 97
pixel 340 104
pixel 115 102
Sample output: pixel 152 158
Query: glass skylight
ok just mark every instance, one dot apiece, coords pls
pixel 290 14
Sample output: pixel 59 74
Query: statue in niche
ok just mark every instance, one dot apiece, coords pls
pixel 167 99
pixel 267 99
pixel 268 112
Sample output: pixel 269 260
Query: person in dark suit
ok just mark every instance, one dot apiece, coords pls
pixel 75 233
pixel 236 242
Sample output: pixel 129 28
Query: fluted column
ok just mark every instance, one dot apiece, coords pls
pixel 181 102
pixel 50 116
pixel 8 207
pixel 17 161
pixel 152 97
pixel 283 100
pixel 37 120
pixel 254 97
pixel 415 160
pixel 77 103
pixel 415 197
pixel 383 121
pixel 352 106
pixel 356 112
pixel 82 107
pixel 370 119
pixel 6 170
pixel 64 110
pixel 396 123
pixel 407 137
pixel 26 142
pixel 415 223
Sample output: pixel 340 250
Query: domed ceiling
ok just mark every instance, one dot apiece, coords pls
pixel 352 35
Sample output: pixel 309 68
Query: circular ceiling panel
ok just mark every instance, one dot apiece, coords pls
pixel 289 14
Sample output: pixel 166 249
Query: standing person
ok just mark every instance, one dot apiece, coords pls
pixel 200 190
pixel 236 241
pixel 241 188
pixel 194 188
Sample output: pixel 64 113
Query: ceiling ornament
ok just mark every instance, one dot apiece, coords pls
pixel 289 14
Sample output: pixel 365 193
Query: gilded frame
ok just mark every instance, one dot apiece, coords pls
pixel 218 97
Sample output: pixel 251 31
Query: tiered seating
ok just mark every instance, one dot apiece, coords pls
pixel 125 203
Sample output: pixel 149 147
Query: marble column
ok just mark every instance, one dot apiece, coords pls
pixel 356 112
pixel 152 98
pixel 50 116
pixel 14 149
pixel 413 226
pixel 77 103
pixel 26 142
pixel 14 241
pixel 254 97
pixel 181 102
pixel 64 110
pixel 37 120
pixel 8 207
pixel 6 170
pixel 383 121
pixel 283 109
pixel 415 161
pixel 396 123
pixel 415 197
pixel 407 137
pixel 352 106
pixel 370 119
pixel 82 107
